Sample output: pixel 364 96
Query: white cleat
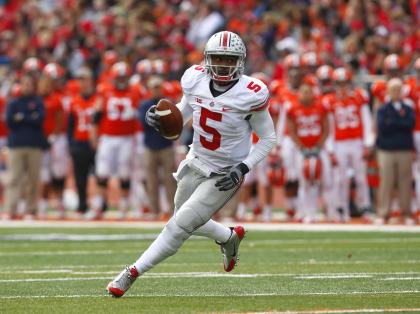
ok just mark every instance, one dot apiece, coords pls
pixel 122 282
pixel 230 249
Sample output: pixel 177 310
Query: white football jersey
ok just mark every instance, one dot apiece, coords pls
pixel 222 133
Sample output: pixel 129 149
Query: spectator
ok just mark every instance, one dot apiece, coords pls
pixel 24 117
pixel 159 154
pixel 395 124
pixel 82 153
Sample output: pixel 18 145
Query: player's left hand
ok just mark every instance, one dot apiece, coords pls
pixel 152 118
pixel 233 178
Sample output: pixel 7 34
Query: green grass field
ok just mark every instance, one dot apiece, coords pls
pixel 65 270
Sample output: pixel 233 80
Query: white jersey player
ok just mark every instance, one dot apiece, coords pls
pixel 226 106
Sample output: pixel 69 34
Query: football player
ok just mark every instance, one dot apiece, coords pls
pixel 225 107
pixel 308 128
pixel 288 93
pixel 55 159
pixel 115 119
pixel 353 139
pixel 80 121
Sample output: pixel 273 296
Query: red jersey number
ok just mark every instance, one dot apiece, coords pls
pixel 217 138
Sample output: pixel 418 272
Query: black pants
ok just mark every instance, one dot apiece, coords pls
pixel 83 161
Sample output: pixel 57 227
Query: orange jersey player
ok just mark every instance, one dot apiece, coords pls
pixel 308 128
pixel 353 139
pixel 82 108
pixel 116 116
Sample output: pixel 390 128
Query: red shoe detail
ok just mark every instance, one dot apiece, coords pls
pixel 257 211
pixel 134 272
pixel 115 292
pixel 240 231
pixel 290 213
pixel 231 266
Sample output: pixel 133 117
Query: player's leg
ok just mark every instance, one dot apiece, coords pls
pixel 290 154
pixel 105 155
pixel 244 194
pixel 82 161
pixel 386 164
pixel 266 191
pixel 46 179
pixel 16 164
pixel 125 148
pixel 360 174
pixel 59 169
pixel 192 217
pixel 152 185
pixel 343 156
pixel 167 158
pixel 33 163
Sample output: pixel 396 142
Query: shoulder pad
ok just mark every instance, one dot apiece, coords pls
pixel 255 94
pixel 191 76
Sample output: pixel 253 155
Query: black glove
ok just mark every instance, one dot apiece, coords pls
pixel 152 118
pixel 233 178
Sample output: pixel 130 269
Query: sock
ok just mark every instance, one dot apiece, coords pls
pixel 43 205
pixel 241 211
pixel 214 230
pixel 123 204
pixel 166 244
pixel 98 202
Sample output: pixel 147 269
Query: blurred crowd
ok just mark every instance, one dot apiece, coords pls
pixel 62 61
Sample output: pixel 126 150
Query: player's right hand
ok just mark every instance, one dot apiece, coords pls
pixel 152 118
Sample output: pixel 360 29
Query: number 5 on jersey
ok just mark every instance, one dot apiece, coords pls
pixel 217 138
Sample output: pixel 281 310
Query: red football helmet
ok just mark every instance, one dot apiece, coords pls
pixel 393 62
pixel 324 73
pixel 342 75
pixel 120 73
pixel 120 69
pixel 292 61
pixel 110 57
pixel 144 66
pixel 32 65
pixel 53 70
pixel 312 168
pixel 310 59
pixel 160 67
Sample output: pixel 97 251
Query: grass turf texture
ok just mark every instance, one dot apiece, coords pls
pixel 278 271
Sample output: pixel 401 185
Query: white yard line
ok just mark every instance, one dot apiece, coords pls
pixel 152 236
pixel 134 251
pixel 238 294
pixel 208 275
pixel 250 226
pixel 347 311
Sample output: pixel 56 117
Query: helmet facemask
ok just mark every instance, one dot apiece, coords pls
pixel 223 67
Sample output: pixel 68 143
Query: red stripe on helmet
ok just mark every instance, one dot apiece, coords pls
pixel 225 39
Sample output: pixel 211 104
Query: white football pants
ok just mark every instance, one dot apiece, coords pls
pixel 349 155
pixel 196 201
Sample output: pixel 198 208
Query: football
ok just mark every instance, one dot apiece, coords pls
pixel 171 122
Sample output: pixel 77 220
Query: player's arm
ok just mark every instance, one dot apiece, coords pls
pixel 325 123
pixel 96 119
pixel 368 133
pixel 263 126
pixel 185 109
